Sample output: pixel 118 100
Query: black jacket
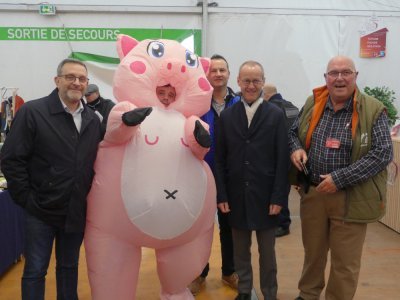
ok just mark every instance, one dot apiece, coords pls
pixel 103 106
pixel 288 108
pixel 48 164
pixel 252 165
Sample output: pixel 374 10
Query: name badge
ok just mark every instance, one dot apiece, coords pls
pixel 332 143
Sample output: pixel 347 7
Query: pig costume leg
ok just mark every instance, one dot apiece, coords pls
pixel 111 252
pixel 113 258
pixel 177 266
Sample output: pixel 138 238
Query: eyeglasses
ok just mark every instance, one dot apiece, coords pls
pixel 344 74
pixel 72 78
pixel 255 82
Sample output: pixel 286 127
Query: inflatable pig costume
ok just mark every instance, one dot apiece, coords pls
pixel 152 188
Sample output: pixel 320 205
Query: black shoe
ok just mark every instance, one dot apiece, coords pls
pixel 299 298
pixel 280 231
pixel 243 296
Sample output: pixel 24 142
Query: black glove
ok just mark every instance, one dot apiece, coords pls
pixel 136 116
pixel 201 135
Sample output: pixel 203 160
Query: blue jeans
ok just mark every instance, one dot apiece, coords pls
pixel 39 237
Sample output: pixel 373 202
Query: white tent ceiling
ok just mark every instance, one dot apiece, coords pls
pixel 290 6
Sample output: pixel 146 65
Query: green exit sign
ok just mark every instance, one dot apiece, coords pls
pixel 47 9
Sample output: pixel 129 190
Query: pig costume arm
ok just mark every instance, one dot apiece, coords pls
pixel 125 120
pixel 198 150
pixel 117 132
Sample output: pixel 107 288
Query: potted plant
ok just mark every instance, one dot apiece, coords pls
pixel 386 96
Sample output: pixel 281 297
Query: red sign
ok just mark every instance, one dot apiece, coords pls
pixel 373 44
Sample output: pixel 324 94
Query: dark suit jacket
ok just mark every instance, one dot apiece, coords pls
pixel 48 164
pixel 252 165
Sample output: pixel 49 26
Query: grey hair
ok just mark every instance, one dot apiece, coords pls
pixel 252 63
pixel 69 61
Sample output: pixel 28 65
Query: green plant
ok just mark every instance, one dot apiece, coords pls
pixel 386 96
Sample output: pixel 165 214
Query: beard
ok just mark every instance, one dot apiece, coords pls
pixel 74 95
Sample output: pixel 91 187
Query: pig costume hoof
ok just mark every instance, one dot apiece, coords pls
pixel 136 116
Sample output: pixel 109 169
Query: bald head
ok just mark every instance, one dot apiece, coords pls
pixel 341 59
pixel 251 80
pixel 252 64
pixel 340 78
pixel 269 90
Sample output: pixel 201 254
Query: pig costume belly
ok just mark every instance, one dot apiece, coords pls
pixel 161 179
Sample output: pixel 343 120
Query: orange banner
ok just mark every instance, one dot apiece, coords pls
pixel 373 44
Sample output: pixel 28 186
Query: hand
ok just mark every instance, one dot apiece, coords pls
pixel 201 135
pixel 297 187
pixel 297 157
pixel 327 185
pixel 224 207
pixel 136 116
pixel 274 209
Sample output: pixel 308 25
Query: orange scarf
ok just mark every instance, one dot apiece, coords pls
pixel 321 95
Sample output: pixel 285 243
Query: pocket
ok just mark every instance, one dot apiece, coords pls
pixel 54 192
pixel 365 202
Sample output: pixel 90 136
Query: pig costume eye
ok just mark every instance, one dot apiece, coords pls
pixel 156 49
pixel 191 59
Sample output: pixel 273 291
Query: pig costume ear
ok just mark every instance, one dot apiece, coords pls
pixel 205 62
pixel 125 44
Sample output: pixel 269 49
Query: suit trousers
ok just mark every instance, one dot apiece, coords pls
pixel 267 261
pixel 323 229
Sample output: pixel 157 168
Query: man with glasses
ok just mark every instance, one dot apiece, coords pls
pixel 251 176
pixel 48 159
pixel 342 137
